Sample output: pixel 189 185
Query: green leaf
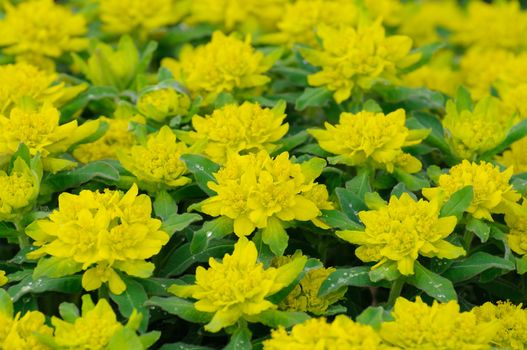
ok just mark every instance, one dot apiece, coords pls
pixel 458 202
pixel 290 142
pixel 93 93
pixel 432 284
pixel 411 98
pixel 124 338
pixel 517 132
pixel 69 312
pixel 353 276
pixel 337 219
pixel 387 271
pixel 436 138
pixel 313 97
pixel 184 346
pixel 183 258
pixel 164 205
pixel 134 297
pixel 284 292
pixel 350 203
pixel 178 222
pixel 413 182
pixel 214 229
pixel 360 184
pixel 202 168
pixel 464 100
pixel 8 231
pixel 182 308
pixel 276 318
pixel 240 339
pixel 56 267
pixel 480 228
pixel 521 265
pixel 275 236
pixel 373 316
pixel 474 265
pixel 6 304
pixel 66 284
pixel 371 106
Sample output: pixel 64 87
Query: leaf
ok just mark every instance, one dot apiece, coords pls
pixel 275 236
pixel 337 219
pixel 68 312
pixel 521 265
pixel 164 205
pixel 350 203
pixel 93 93
pixel 216 228
pixel 202 168
pixel 276 318
pixel 474 265
pixel 480 228
pixel 413 182
pixel 432 284
pixel 184 346
pixel 411 98
pixel 360 184
pixel 517 132
pixel 313 97
pixel 458 202
pixel 183 258
pixel 56 267
pixel 463 99
pixel 8 231
pixel 178 222
pixel 387 271
pixel 436 138
pixel 134 297
pixel 66 284
pixel 373 316
pixel 240 339
pixel 182 308
pixel 353 276
pixel 290 142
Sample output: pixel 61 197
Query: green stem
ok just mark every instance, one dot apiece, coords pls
pixel 395 291
pixel 467 240
pixel 23 240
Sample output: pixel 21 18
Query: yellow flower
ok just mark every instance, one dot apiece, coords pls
pixel 391 11
pixel 512 319
pixel 515 158
pixel 319 195
pixel 371 138
pixel 246 15
pixel 99 233
pixel 238 286
pixel 472 133
pixel 223 65
pixel 300 20
pixel 118 136
pixel 317 333
pixel 502 24
pixel 18 190
pixel 304 297
pixel 513 98
pixel 22 79
pixel 417 326
pixel 401 231
pixel 161 103
pixel 516 220
pixel 41 28
pixel 38 128
pixel 258 191
pixel 122 17
pixel 156 164
pixel 492 192
pixel 3 278
pixel 18 332
pixel 256 128
pixel 356 58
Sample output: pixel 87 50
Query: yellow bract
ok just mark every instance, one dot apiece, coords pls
pixel 23 79
pixel 472 133
pixel 238 286
pixel 355 58
pixel 38 128
pixel 98 232
pixel 40 28
pixel 256 191
pixel 516 220
pixel 516 157
pixel 3 278
pixel 512 319
pixel 417 326
pixel 256 128
pixel 318 334
pixel 492 192
pixel 401 231
pixel 126 16
pixel 223 65
pixel 156 164
pixel 160 103
pixel 368 138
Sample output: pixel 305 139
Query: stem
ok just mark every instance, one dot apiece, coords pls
pixel 467 240
pixel 23 240
pixel 395 291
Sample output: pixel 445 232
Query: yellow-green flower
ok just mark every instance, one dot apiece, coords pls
pixel 473 132
pixel 256 128
pixel 156 164
pixel 515 157
pixel 237 287
pixel 369 138
pixel 417 326
pixel 222 65
pixel 257 191
pixel 3 278
pixel 123 17
pixel 516 220
pixel 18 189
pixel 23 79
pixel 158 104
pixel 400 231
pixel 41 28
pixel 38 128
pixel 512 319
pixel 318 334
pixel 18 332
pixel 357 57
pixel 492 191
pixel 98 233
